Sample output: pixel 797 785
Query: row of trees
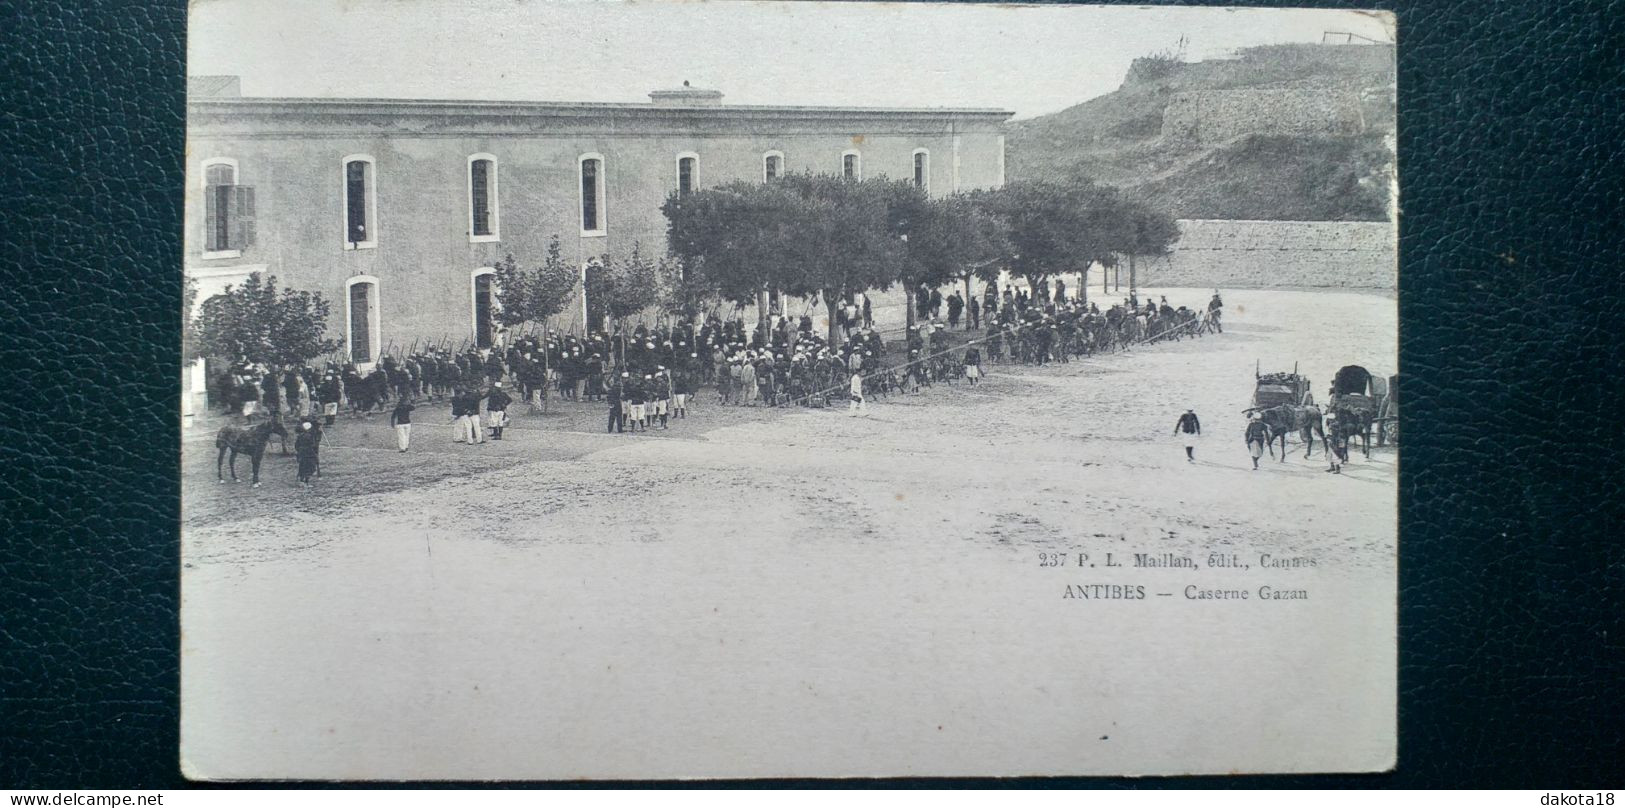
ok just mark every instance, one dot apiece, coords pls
pixel 831 237
pixel 805 235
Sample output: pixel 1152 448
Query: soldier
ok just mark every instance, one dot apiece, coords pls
pixel 1215 307
pixel 496 410
pixel 1258 438
pixel 637 394
pixel 459 416
pixel 956 305
pixel 1337 439
pixel 855 404
pixel 682 386
pixel 1188 429
pixel 974 310
pixel 307 448
pixel 747 382
pixel 973 362
pixel 660 396
pixel 400 419
pixel 330 392
pixel 617 414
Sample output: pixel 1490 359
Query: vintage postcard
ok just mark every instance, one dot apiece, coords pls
pixel 702 389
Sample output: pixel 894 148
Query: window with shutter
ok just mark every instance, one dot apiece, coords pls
pixel 355 202
pixel 484 327
pixel 214 217
pixel 685 175
pixel 240 214
pixel 589 194
pixel 219 180
pixel 479 191
pixel 360 323
pixel 771 166
pixel 922 168
pixel 851 168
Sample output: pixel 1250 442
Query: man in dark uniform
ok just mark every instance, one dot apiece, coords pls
pixel 496 410
pixel 1188 428
pixel 617 415
pixel 330 392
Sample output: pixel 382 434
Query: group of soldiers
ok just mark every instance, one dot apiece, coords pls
pixel 647 376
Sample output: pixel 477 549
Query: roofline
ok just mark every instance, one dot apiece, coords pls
pixel 342 106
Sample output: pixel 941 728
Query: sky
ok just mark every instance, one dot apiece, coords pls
pixel 1031 60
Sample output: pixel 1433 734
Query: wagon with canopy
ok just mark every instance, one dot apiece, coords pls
pixel 1370 400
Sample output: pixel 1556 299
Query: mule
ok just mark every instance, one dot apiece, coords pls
pixel 249 440
pixel 1356 423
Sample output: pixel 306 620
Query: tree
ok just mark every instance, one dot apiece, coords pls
pixel 838 240
pixel 253 322
pixel 976 237
pixel 623 287
pixel 1148 232
pixel 537 294
pixel 1055 229
pixel 924 237
pixel 732 240
pixel 1047 228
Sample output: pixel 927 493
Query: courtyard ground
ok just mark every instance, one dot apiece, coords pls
pixel 797 592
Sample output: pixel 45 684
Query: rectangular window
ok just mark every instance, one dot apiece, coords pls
pixel 218 181
pixel 849 166
pixel 919 169
pixel 355 202
pixel 685 176
pixel 479 189
pixel 771 166
pixel 360 327
pixel 589 194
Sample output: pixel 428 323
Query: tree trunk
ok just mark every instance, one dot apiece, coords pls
pixel 1133 282
pixel 908 304
pixel 829 306
pixel 761 309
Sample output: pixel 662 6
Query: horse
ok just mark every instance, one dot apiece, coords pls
pixel 1284 418
pixel 249 440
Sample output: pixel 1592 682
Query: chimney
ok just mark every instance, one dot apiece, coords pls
pixel 686 96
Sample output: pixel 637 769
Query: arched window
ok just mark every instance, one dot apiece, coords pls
pixel 362 328
pixel 687 178
pixel 360 202
pixel 772 165
pixel 922 169
pixel 484 222
pixel 592 194
pixel 483 285
pixel 852 164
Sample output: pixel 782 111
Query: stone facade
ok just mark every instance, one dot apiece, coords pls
pixel 421 256
pixel 1272 255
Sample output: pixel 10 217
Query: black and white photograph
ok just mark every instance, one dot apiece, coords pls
pixel 694 389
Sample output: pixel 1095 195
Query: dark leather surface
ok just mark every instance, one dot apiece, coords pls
pixel 1510 121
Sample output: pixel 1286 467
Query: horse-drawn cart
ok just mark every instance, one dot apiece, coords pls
pixel 1275 389
pixel 1370 400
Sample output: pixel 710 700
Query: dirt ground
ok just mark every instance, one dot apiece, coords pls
pixel 799 592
